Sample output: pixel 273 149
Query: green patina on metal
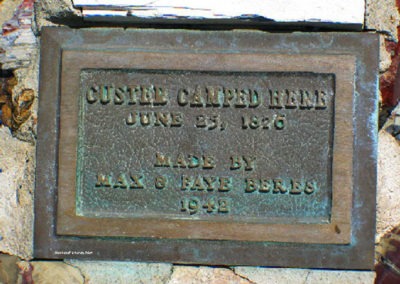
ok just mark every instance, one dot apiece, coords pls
pixel 274 151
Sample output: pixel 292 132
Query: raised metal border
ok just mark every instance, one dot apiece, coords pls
pixel 62 53
pixel 337 231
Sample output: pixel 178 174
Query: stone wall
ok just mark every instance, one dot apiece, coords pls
pixel 21 24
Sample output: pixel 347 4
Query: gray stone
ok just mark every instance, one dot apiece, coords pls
pixel 307 276
pixel 108 272
pixel 18 42
pixel 205 275
pixel 388 196
pixel 272 275
pixel 340 277
pixel 17 159
pixel 47 12
pixel 7 9
pixel 382 16
pixel 28 79
pixel 20 53
pixel 385 57
pixel 16 195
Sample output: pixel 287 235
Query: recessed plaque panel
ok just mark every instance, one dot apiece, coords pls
pixel 195 145
pixel 201 147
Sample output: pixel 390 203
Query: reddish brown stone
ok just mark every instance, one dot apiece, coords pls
pixel 388 267
pixel 390 80
pixel 26 270
pixel 390 90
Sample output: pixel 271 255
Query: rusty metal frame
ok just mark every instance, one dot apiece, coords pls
pixel 348 231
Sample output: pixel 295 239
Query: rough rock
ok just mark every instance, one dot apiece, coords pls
pixel 382 16
pixel 388 258
pixel 49 272
pixel 28 80
pixel 339 277
pixel 272 275
pixel 307 276
pixel 204 275
pixel 17 41
pixel 19 53
pixel 16 195
pixel 8 269
pixel 108 272
pixel 7 9
pixel 54 12
pixel 385 56
pixel 388 195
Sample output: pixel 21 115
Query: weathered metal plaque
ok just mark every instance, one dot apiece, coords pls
pixel 228 148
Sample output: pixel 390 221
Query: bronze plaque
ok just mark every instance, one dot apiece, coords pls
pixel 224 148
